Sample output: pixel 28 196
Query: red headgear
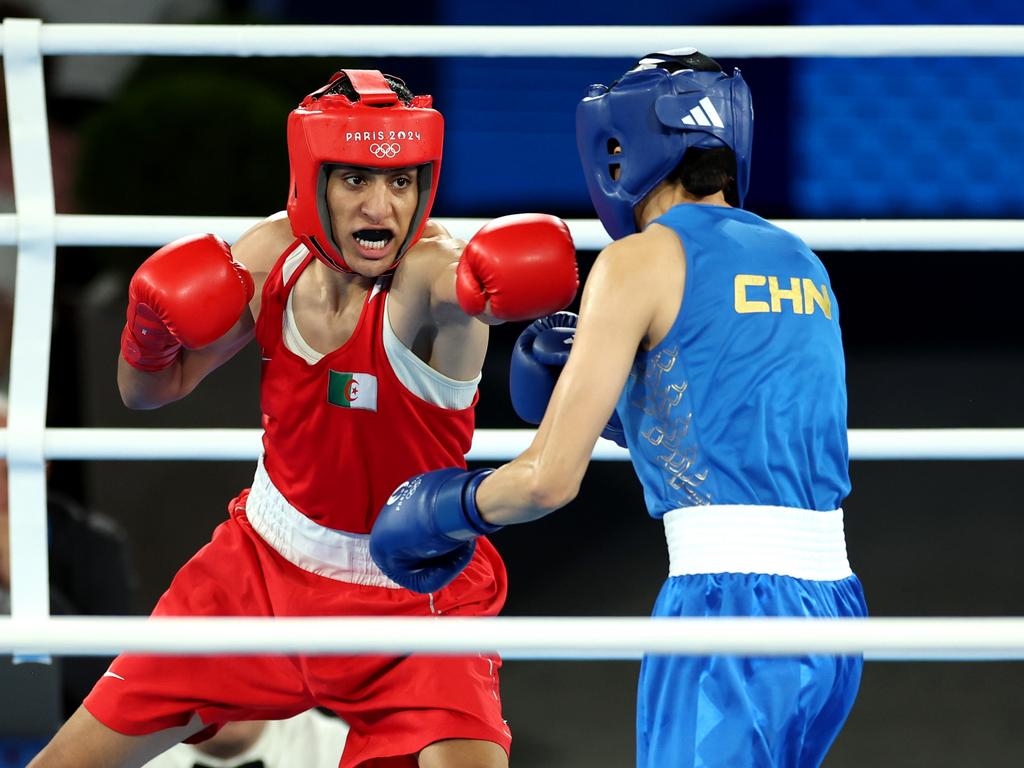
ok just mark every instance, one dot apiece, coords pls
pixel 377 131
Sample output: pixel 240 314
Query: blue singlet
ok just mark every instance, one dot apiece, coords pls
pixel 743 403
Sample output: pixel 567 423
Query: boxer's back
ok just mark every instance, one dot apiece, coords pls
pixel 744 401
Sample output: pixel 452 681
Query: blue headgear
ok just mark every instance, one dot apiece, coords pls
pixel 653 116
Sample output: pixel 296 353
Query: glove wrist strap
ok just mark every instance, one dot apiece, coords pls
pixel 469 508
pixel 454 514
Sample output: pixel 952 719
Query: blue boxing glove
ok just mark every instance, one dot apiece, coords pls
pixel 426 533
pixel 541 352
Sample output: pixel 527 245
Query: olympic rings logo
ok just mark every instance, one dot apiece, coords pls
pixel 404 491
pixel 385 150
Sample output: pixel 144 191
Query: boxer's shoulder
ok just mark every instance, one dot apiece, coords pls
pixel 262 244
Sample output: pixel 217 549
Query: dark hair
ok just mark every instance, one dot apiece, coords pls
pixel 704 172
pixel 344 87
pixel 691 59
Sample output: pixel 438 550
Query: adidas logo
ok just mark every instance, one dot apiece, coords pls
pixel 707 116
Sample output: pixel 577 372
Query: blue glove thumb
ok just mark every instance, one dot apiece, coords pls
pixel 552 347
pixel 552 337
pixel 537 359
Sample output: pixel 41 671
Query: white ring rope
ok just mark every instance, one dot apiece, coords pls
pixel 559 41
pixel 499 444
pixel 880 639
pixel 589 235
pixel 515 638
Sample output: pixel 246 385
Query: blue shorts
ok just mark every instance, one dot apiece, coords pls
pixel 734 712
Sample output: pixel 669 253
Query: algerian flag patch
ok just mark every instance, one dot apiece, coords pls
pixel 352 390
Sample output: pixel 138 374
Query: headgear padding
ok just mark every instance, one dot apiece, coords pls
pixel 652 116
pixel 376 131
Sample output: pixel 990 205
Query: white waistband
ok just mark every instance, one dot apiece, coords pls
pixel 735 538
pixel 324 551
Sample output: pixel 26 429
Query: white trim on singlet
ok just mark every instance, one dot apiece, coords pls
pixel 422 380
pixel 293 262
pixel 414 374
pixel 290 335
pixel 738 538
pixel 293 340
pixel 312 547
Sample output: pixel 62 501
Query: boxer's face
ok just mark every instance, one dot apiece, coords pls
pixel 371 212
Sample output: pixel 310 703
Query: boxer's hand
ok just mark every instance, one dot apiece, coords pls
pixel 189 293
pixel 426 533
pixel 524 265
pixel 537 359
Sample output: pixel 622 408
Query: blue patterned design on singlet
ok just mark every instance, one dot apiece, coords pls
pixel 744 400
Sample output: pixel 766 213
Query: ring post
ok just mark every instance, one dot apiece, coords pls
pixel 33 311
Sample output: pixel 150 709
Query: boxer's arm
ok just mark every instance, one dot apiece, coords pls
pixel 446 291
pixel 448 341
pixel 423 536
pixel 145 390
pixel 256 250
pixel 626 290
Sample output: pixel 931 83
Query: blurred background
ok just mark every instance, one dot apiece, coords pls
pixel 933 339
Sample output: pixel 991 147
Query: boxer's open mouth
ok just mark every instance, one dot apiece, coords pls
pixel 373 239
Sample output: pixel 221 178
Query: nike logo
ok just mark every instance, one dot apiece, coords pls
pixel 108 673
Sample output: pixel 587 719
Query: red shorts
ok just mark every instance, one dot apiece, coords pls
pixel 395 706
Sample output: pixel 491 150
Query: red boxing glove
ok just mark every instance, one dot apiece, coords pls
pixel 524 264
pixel 189 293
